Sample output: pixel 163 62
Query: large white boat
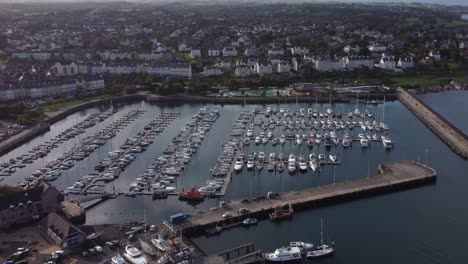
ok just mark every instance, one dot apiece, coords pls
pixel 239 164
pixel 292 163
pixel 303 246
pixel 364 142
pixel 134 255
pixel 250 164
pixel 387 142
pixel 160 244
pixel 313 163
pixel 284 254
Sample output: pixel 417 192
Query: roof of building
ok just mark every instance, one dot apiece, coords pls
pixel 59 225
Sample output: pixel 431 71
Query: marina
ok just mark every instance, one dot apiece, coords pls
pixel 53 169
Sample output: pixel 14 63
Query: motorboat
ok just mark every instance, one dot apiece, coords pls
pixel 292 163
pixel 303 246
pixel 160 244
pixel 284 255
pixel 302 164
pixel 364 142
pixel 282 139
pixel 387 142
pixel 134 255
pixel 313 163
pixel 250 221
pixel 247 141
pixel 207 190
pixel 333 158
pixel 257 140
pixel 310 142
pixel 118 259
pixel 250 163
pixel 191 195
pixel 345 142
pixel 239 164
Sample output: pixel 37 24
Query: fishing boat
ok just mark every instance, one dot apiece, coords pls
pixel 322 250
pixel 134 255
pixel 282 212
pixel 191 195
pixel 282 255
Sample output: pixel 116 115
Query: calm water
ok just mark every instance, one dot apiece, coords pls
pixel 422 225
pixel 452 111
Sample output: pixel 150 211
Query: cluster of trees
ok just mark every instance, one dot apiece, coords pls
pixel 31 116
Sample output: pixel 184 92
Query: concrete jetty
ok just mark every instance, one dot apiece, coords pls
pixel 446 131
pixel 391 177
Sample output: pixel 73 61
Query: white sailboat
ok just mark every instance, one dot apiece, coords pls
pixel 322 250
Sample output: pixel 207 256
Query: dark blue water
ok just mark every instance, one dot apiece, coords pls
pixel 422 225
pixel 453 111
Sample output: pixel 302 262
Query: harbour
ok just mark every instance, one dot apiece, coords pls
pixel 353 163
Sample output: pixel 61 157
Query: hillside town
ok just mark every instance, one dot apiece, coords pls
pixel 58 52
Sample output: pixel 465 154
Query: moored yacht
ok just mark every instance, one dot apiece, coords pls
pixel 239 164
pixel 134 255
pixel 364 142
pixel 284 255
pixel 160 244
pixel 387 142
pixel 292 163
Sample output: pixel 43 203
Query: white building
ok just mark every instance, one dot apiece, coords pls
pixel 195 53
pixel 178 70
pixel 211 71
pixel 70 69
pixel 356 62
pixel 435 55
pixel 283 67
pixel 405 63
pixel 242 71
pixel 387 63
pixel 328 65
pixel 276 52
pixel 114 55
pixel 184 48
pixel 229 52
pixel 377 48
pixel 299 51
pixel 348 49
pixel 262 68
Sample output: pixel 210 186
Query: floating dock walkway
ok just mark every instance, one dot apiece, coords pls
pixel 391 177
pixel 451 135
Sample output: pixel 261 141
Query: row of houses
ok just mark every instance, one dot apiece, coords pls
pixel 174 69
pixel 352 63
pixel 50 88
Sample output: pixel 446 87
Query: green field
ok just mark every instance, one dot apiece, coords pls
pixel 56 106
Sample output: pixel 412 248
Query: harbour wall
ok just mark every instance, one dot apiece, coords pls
pixel 392 177
pixel 445 130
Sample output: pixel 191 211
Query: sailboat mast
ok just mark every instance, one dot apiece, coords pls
pixel 321 230
pixel 383 112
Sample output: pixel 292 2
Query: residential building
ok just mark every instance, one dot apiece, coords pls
pixel 276 52
pixel 243 71
pixel 184 48
pixel 229 52
pixel 214 52
pixel 387 63
pixel 356 62
pixel 283 67
pixel 328 65
pixel 195 53
pixel 435 55
pixel 262 68
pixel 299 51
pixel 25 206
pixel 61 231
pixel 176 69
pixel 405 63
pixel 377 47
pixel 211 71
